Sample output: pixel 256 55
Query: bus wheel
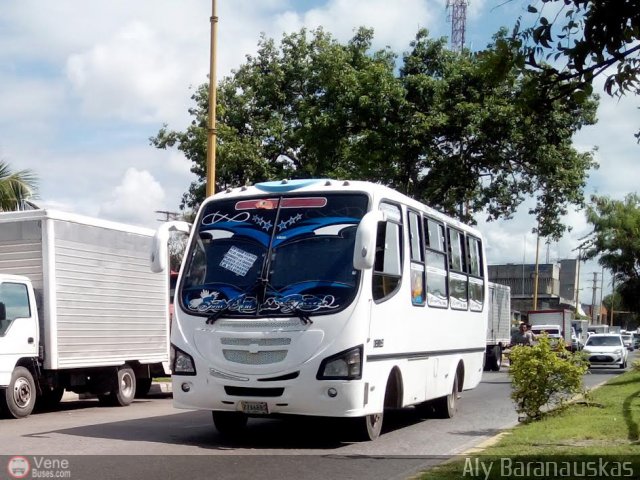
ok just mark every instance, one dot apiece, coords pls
pixel 445 407
pixel 368 427
pixel 229 423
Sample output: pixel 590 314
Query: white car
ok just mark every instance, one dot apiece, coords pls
pixel 606 349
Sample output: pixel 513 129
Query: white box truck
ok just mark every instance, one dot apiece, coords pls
pixel 79 310
pixel 499 326
pixel 556 323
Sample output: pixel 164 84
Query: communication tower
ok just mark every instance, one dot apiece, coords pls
pixel 458 17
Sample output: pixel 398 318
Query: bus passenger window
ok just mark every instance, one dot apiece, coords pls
pixel 417 259
pixel 387 270
pixel 476 274
pixel 436 264
pixel 458 280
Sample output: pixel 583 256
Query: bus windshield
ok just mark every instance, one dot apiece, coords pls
pixel 274 256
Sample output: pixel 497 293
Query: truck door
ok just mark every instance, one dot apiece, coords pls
pixel 18 324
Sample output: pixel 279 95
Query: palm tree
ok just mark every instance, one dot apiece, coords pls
pixel 15 188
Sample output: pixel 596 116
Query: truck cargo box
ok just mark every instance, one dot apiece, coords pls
pixel 99 302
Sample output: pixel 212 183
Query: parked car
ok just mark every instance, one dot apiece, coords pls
pixel 627 339
pixel 636 340
pixel 606 349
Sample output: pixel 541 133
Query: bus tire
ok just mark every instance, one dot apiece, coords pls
pixel 446 407
pixel 229 423
pixel 20 395
pixel 368 427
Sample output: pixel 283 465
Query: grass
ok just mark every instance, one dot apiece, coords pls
pixel 606 425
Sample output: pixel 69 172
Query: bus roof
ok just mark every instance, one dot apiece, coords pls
pixel 375 191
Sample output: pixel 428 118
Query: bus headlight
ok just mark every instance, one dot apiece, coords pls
pixel 345 365
pixel 181 362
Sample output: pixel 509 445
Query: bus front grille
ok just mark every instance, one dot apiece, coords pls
pixel 263 357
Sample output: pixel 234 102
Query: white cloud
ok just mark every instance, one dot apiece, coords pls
pixel 133 76
pixel 135 200
pixel 343 17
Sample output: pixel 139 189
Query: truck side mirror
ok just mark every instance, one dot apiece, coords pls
pixel 364 252
pixel 160 248
pixel 3 311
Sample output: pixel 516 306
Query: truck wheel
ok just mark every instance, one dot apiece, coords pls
pixel 50 398
pixel 496 359
pixel 143 385
pixel 124 391
pixel 20 395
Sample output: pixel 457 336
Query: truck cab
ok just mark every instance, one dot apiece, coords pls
pixel 19 340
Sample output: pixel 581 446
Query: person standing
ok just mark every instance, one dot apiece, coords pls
pixel 522 337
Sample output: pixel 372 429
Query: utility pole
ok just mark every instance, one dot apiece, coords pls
pixel 600 319
pixel 594 288
pixel 578 281
pixel 613 297
pixel 535 275
pixel 212 132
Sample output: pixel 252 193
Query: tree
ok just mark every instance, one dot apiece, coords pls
pixel 448 129
pixel 615 240
pixel 486 135
pixel 15 187
pixel 585 39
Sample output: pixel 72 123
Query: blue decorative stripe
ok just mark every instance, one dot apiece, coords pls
pixel 286 186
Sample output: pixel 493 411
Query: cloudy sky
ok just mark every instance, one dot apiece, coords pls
pixel 84 84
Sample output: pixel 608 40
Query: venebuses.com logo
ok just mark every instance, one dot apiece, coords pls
pixel 18 467
pixel 38 467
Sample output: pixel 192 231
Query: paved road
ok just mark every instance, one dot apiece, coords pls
pixel 174 442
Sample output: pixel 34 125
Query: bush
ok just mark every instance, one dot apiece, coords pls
pixel 544 376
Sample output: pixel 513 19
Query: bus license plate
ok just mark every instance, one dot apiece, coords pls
pixel 254 408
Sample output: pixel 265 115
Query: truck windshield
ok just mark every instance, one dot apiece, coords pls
pixel 274 256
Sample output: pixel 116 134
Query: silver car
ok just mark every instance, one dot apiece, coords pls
pixel 606 349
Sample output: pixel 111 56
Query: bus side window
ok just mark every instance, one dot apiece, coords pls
pixel 436 264
pixel 387 269
pixel 476 274
pixel 417 258
pixel 458 279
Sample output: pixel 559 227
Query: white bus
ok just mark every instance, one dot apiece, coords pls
pixel 325 298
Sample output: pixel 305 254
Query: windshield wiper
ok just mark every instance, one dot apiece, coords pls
pixel 304 318
pixel 211 319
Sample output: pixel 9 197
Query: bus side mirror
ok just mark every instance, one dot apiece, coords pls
pixel 160 245
pixel 3 311
pixel 364 253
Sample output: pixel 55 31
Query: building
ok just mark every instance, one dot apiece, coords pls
pixel 557 284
